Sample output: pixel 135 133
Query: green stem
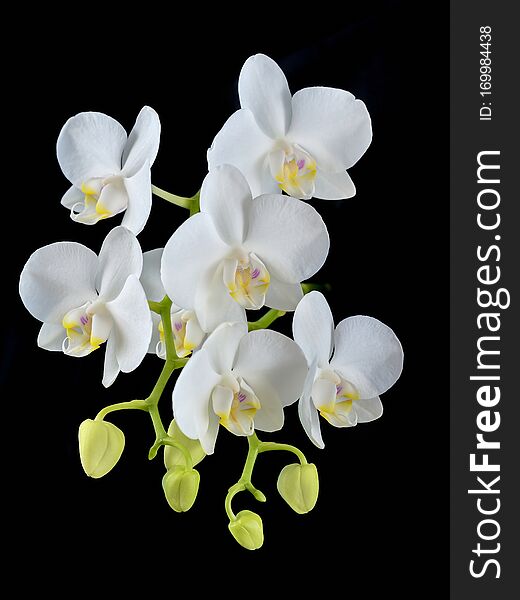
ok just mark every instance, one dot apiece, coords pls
pixel 155 306
pixel 244 483
pixel 232 492
pixel 308 286
pixel 132 404
pixel 195 204
pixel 266 320
pixel 171 363
pixel 192 204
pixel 168 441
pixel 150 404
pixel 256 447
pixel 268 446
pixel 177 200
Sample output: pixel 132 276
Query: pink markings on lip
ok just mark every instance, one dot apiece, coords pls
pixel 83 320
pixel 339 389
pixel 178 325
pixel 241 397
pixel 255 273
pixel 301 163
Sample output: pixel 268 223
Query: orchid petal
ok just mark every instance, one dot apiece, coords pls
pixel 193 250
pixel 263 89
pixel 90 144
pixel 324 395
pixel 143 142
pixel 226 197
pixel 58 278
pixel 222 346
pixel 334 186
pixel 132 324
pixel 222 400
pixel 242 143
pixel 208 439
pixel 151 275
pixel 111 367
pixel 368 410
pixel 307 412
pixel 352 418
pixel 331 125
pixel 72 197
pixel 274 367
pixel 213 304
pixel 194 333
pixel 191 397
pixel 51 337
pixel 120 256
pixel 283 296
pixel 313 328
pixel 156 336
pixel 101 323
pixel 139 190
pixel 113 199
pixel 368 355
pixel 275 235
pixel 85 212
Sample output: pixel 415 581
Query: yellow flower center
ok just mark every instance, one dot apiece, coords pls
pixel 247 281
pixel 334 397
pixel 235 403
pixel 94 209
pixel 86 331
pixel 294 170
pixel 187 333
pixel 103 198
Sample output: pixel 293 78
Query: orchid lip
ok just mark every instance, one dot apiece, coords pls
pixel 78 326
pixel 103 197
pixel 187 333
pixel 236 404
pixel 247 280
pixel 293 169
pixel 334 397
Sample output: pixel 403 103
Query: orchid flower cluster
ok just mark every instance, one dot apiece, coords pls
pixel 250 242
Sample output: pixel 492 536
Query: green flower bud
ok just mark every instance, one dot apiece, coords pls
pixel 180 487
pixel 248 530
pixel 173 456
pixel 298 486
pixel 100 447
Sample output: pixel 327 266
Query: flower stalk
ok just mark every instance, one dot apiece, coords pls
pixel 150 404
pixel 266 320
pixel 192 204
pixel 256 447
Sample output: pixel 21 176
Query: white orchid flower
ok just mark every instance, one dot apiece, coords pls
pixel 302 144
pixel 367 360
pixel 239 380
pixel 187 333
pixel 109 171
pixel 239 253
pixel 85 300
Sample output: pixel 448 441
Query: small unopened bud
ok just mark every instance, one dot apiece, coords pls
pixel 180 487
pixel 173 456
pixel 100 447
pixel 298 486
pixel 248 530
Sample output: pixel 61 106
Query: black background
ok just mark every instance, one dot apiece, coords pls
pixel 381 523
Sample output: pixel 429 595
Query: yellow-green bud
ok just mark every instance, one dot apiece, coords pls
pixel 248 530
pixel 180 487
pixel 100 447
pixel 173 456
pixel 298 486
